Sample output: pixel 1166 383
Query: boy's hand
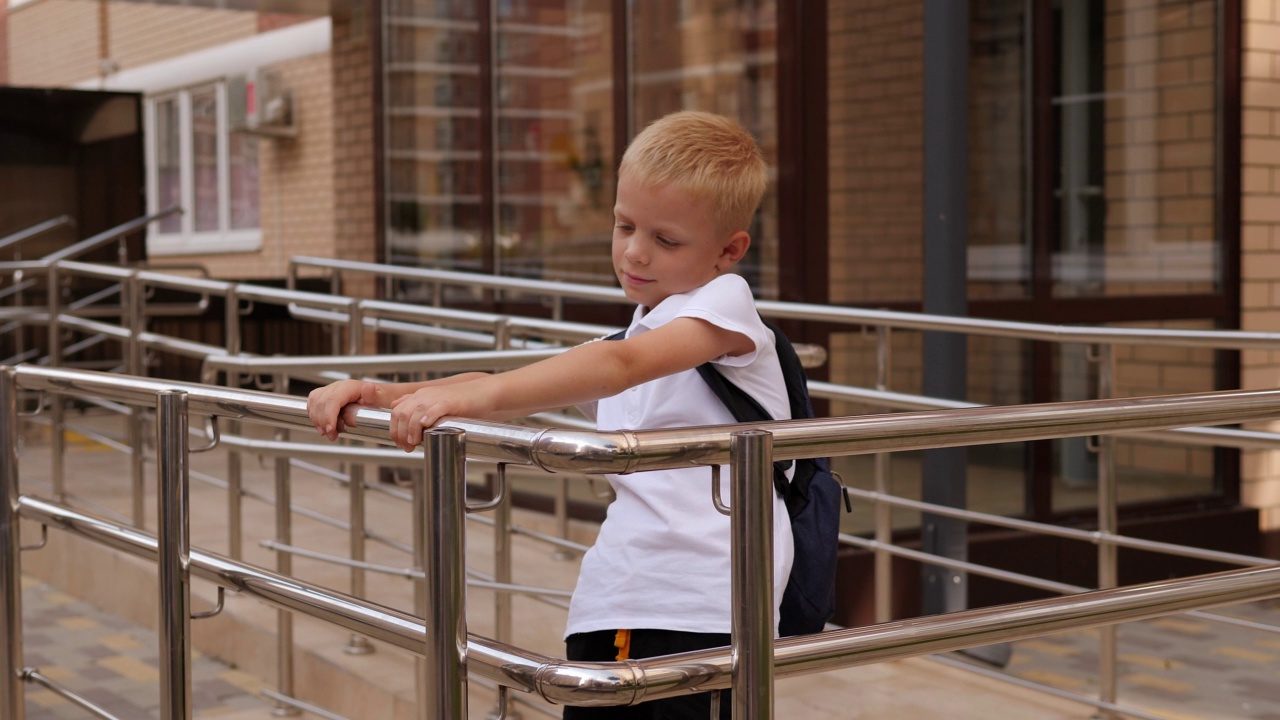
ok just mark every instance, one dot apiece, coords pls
pixel 325 405
pixel 411 414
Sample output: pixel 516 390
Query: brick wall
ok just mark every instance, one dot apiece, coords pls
pixel 4 43
pixel 1260 232
pixel 875 103
pixel 355 231
pixel 53 42
pixel 59 42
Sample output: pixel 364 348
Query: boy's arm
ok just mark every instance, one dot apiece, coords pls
pixel 588 372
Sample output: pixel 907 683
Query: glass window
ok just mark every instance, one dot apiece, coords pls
pixel 1137 127
pixel 719 57
pixel 244 181
pixel 194 162
pixel 554 125
pixel 168 162
pixel 204 151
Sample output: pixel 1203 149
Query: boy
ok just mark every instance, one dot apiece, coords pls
pixel 657 579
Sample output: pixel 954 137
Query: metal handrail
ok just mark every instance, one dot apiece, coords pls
pixel 92 243
pixel 1221 339
pixel 34 230
pixel 632 681
pixel 630 451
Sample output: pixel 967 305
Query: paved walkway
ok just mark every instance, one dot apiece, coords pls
pixel 113 664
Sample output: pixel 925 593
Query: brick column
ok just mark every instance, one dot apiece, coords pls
pixel 1260 234
pixel 355 146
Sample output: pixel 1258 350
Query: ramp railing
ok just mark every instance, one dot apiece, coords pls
pixel 438 634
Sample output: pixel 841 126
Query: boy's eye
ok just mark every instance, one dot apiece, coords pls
pixel 623 226
pixel 666 242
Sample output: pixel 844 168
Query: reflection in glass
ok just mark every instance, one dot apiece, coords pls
pixel 433 135
pixel 243 155
pixel 1136 106
pixel 554 131
pixel 1146 470
pixel 204 160
pixel 720 57
pixel 998 375
pixel 168 150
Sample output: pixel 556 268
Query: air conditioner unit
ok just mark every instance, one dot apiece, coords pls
pixel 258 103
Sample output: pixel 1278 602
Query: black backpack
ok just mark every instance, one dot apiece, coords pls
pixel 812 497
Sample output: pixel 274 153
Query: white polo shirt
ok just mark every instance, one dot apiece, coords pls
pixel 662 558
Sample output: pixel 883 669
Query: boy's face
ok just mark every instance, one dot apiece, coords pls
pixel 665 242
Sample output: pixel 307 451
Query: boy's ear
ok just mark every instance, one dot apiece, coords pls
pixel 734 250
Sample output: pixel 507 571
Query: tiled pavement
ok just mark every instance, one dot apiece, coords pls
pixel 113 664
pixel 1179 667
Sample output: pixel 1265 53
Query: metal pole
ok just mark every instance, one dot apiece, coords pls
pixel 502 566
pixel 12 702
pixel 443 515
pixel 284 566
pixel 884 512
pixel 502 603
pixel 562 517
pixel 1108 525
pixel 751 527
pixel 57 442
pixel 946 110
pixel 174 554
pixel 235 493
pixel 133 304
pixel 356 644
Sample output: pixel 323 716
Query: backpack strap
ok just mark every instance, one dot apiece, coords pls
pixel 745 408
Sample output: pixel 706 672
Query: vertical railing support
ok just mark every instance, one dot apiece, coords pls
pixel 883 511
pixel 441 509
pixel 133 311
pixel 12 702
pixel 356 644
pixel 57 406
pixel 174 555
pixel 235 491
pixel 1108 525
pixel 751 528
pixel 284 566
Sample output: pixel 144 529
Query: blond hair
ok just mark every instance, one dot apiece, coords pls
pixel 710 156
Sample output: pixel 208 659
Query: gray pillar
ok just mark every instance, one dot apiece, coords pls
pixel 946 186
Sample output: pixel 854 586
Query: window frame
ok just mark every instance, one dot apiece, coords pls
pixel 188 240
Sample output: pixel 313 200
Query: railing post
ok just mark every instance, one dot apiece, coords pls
pixel 1108 525
pixel 235 492
pixel 174 555
pixel 284 566
pixel 883 511
pixel 133 302
pixel 57 412
pixel 502 603
pixel 440 505
pixel 751 528
pixel 356 644
pixel 12 702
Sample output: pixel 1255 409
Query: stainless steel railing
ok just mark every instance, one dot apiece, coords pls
pixel 357 315
pixel 748 452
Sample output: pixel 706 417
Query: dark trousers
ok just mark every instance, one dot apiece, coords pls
pixel 598 647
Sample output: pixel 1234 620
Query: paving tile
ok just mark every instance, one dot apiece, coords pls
pixel 112 664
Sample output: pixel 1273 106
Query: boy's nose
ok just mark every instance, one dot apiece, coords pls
pixel 635 251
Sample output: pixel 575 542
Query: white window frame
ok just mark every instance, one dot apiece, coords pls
pixel 189 241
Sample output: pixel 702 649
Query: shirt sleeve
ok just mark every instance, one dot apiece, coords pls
pixel 726 302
